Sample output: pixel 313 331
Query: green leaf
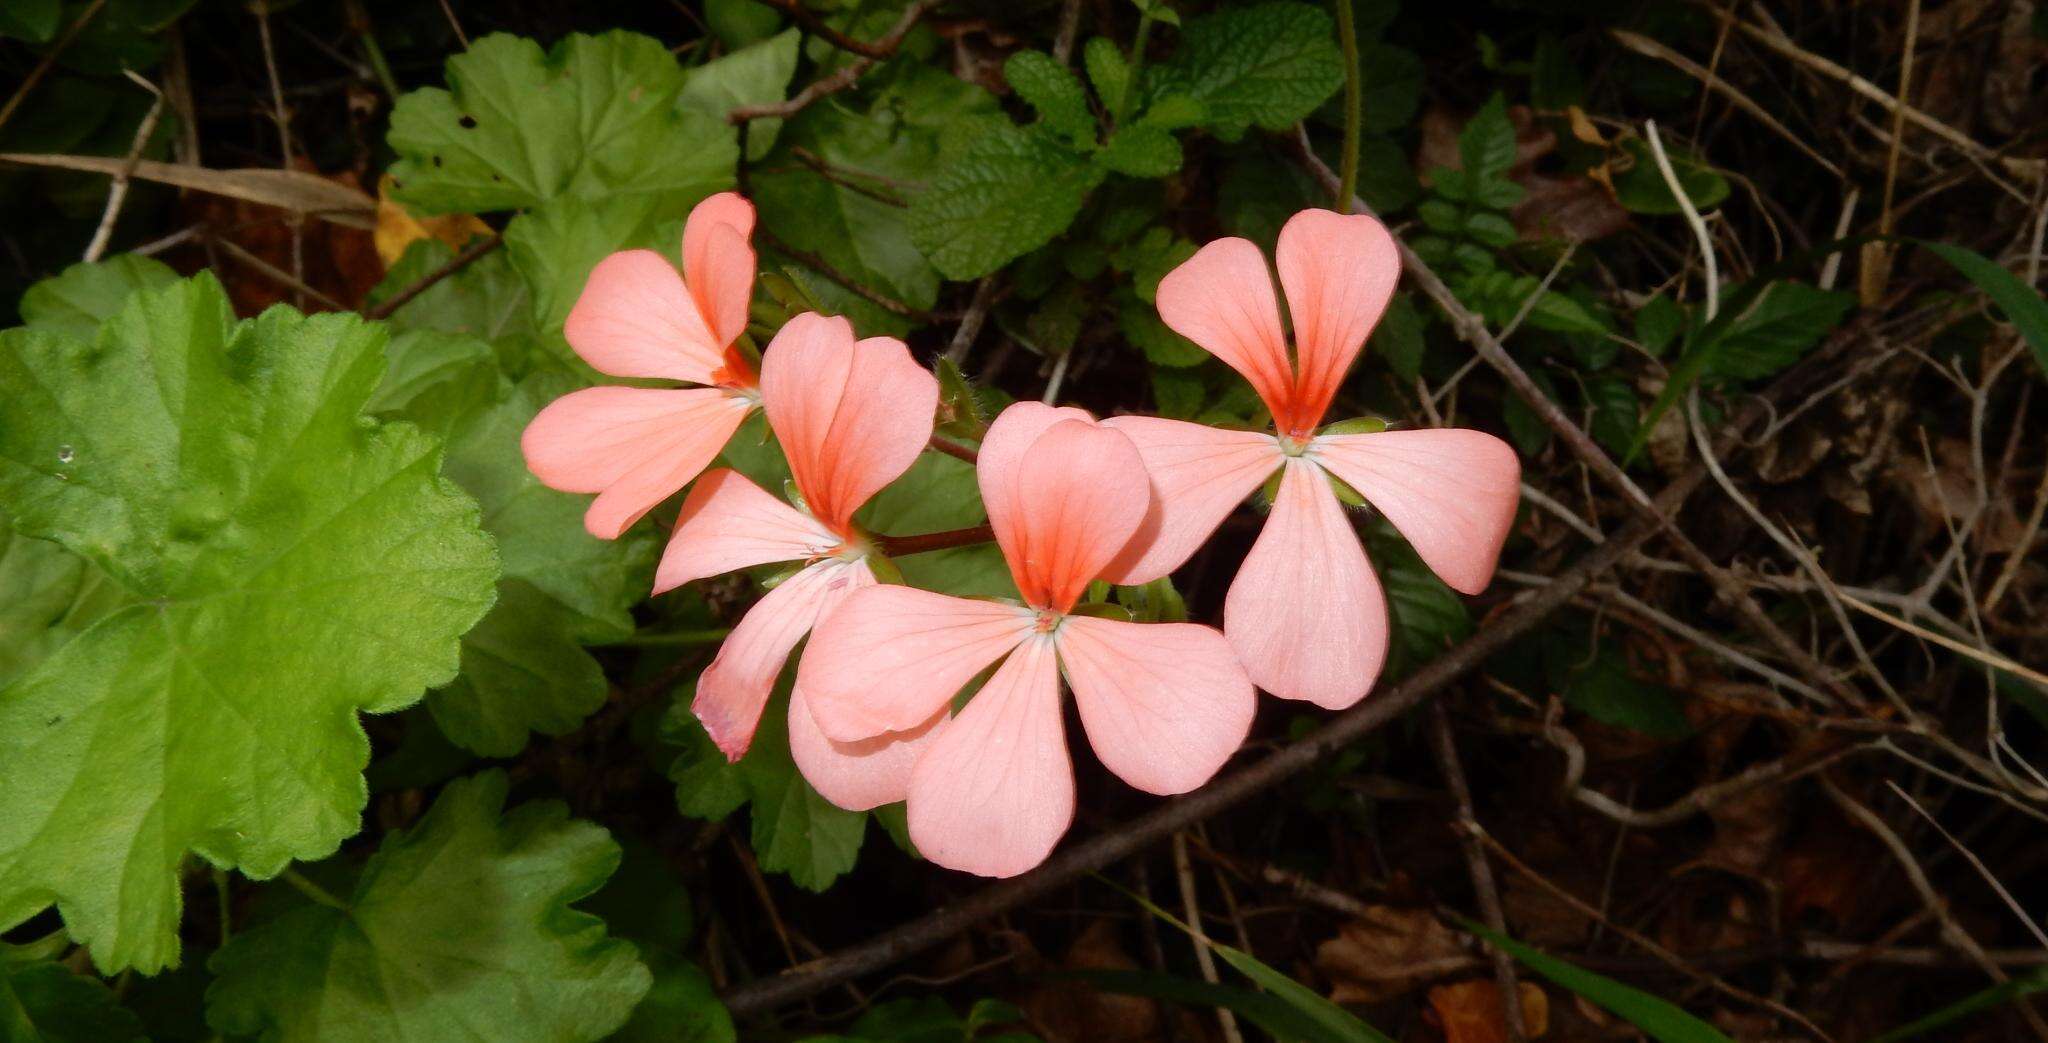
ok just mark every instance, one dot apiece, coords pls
pixel 1107 69
pixel 856 220
pixel 460 928
pixel 938 493
pixel 1607 691
pixel 596 116
pixel 522 671
pixel 1658 323
pixel 2025 308
pixel 707 787
pixel 1761 330
pixel 487 300
pixel 738 23
pixel 1268 1012
pixel 1391 82
pixel 1428 616
pixel 1642 188
pixel 1656 1018
pixel 47 596
pixel 1052 90
pixel 1617 414
pixel 1009 191
pixel 47 1002
pixel 1995 996
pixel 1141 325
pixel 1331 1021
pixel 1268 64
pixel 1141 150
pixel 75 301
pixel 1398 338
pixel 1786 321
pixel 554 248
pixel 1487 144
pixel 33 20
pixel 680 1008
pixel 757 74
pixel 795 831
pixel 300 565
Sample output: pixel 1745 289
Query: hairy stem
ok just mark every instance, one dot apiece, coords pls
pixel 898 546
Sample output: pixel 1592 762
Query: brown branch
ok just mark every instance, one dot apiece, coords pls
pixel 816 26
pixel 954 449
pixel 1472 329
pixel 898 546
pixel 468 256
pixel 848 74
pixel 1111 846
pixel 1467 828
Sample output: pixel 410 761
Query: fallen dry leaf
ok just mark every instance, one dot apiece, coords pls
pixel 298 191
pixel 1389 952
pixel 1471 1012
pixel 398 228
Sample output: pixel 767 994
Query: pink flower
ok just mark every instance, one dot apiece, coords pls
pixel 1164 704
pixel 1306 614
pixel 851 418
pixel 635 446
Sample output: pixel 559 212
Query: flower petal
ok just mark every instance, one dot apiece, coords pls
pixel 1306 614
pixel 1222 299
pixel 1002 452
pixel 718 263
pixel 635 445
pixel 1071 501
pixel 1165 704
pixel 860 775
pixel 995 791
pixel 1199 475
pixel 851 417
pixel 734 688
pixel 727 522
pixel 891 656
pixel 636 319
pixel 1338 270
pixel 1452 492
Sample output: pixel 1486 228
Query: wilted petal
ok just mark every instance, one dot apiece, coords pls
pixel 851 417
pixel 1222 299
pixel 1452 492
pixel 734 688
pixel 860 775
pixel 636 446
pixel 718 263
pixel 1306 614
pixel 1338 270
pixel 1199 475
pixel 727 522
pixel 891 656
pixel 635 318
pixel 1165 704
pixel 995 791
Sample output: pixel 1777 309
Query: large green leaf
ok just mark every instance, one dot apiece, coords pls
pixel 294 565
pixel 597 116
pixel 460 928
pixel 523 668
pixel 757 74
pixel 47 596
pixel 1268 64
pixel 45 1002
pixel 1006 192
pixel 1054 92
pixel 78 299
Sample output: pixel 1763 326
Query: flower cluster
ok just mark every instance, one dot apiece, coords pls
pixel 875 714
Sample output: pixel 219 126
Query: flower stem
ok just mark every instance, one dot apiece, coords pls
pixel 897 546
pixel 954 449
pixel 1122 106
pixel 1347 35
pixel 312 890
